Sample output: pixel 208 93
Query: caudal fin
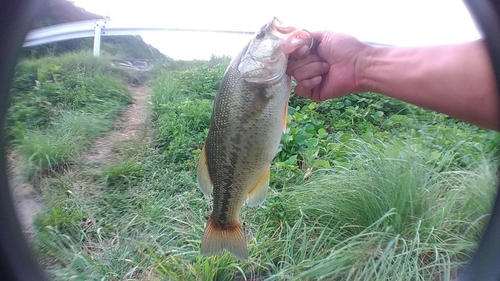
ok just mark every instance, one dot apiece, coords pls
pixel 215 239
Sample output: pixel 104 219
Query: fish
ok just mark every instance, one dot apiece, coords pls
pixel 248 118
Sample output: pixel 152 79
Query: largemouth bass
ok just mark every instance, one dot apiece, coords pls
pixel 248 118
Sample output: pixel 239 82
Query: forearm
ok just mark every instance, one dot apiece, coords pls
pixel 456 80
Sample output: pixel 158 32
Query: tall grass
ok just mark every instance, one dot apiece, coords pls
pixel 62 142
pixel 393 216
pixel 59 105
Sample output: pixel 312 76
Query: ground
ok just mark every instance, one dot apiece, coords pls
pixel 27 198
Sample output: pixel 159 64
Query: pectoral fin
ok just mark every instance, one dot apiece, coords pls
pixel 203 177
pixel 284 118
pixel 258 194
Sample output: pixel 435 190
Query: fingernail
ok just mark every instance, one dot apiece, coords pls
pixel 303 50
pixel 326 65
pixel 316 80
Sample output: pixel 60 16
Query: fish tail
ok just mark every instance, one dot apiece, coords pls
pixel 215 239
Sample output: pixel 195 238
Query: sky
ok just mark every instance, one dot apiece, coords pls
pixel 394 22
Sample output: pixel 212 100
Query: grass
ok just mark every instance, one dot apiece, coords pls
pixel 157 234
pixel 62 142
pixel 59 105
pixel 396 193
pixel 395 218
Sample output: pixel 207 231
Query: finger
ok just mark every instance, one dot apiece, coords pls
pixel 329 89
pixel 299 53
pixel 317 94
pixel 293 65
pixel 318 35
pixel 310 70
pixel 304 88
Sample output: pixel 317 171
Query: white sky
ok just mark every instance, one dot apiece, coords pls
pixel 395 22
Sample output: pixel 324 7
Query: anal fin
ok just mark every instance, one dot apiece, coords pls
pixel 203 176
pixel 216 239
pixel 285 111
pixel 258 194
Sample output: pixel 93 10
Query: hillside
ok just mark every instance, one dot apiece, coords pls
pixel 64 11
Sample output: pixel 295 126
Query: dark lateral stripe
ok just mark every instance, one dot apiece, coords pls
pixel 228 185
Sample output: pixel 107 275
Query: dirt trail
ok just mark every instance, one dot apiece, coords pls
pixel 131 124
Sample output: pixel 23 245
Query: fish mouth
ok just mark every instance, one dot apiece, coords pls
pixel 293 37
pixel 281 27
pixel 266 62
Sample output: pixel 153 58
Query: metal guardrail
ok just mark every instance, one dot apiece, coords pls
pixel 59 32
pixel 98 28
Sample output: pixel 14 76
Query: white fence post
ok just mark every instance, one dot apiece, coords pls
pixel 97 37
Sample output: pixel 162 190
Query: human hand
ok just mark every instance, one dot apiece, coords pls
pixel 330 69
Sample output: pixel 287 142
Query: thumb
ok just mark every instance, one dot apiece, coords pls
pixel 318 35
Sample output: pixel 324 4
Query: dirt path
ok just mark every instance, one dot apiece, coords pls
pixel 130 126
